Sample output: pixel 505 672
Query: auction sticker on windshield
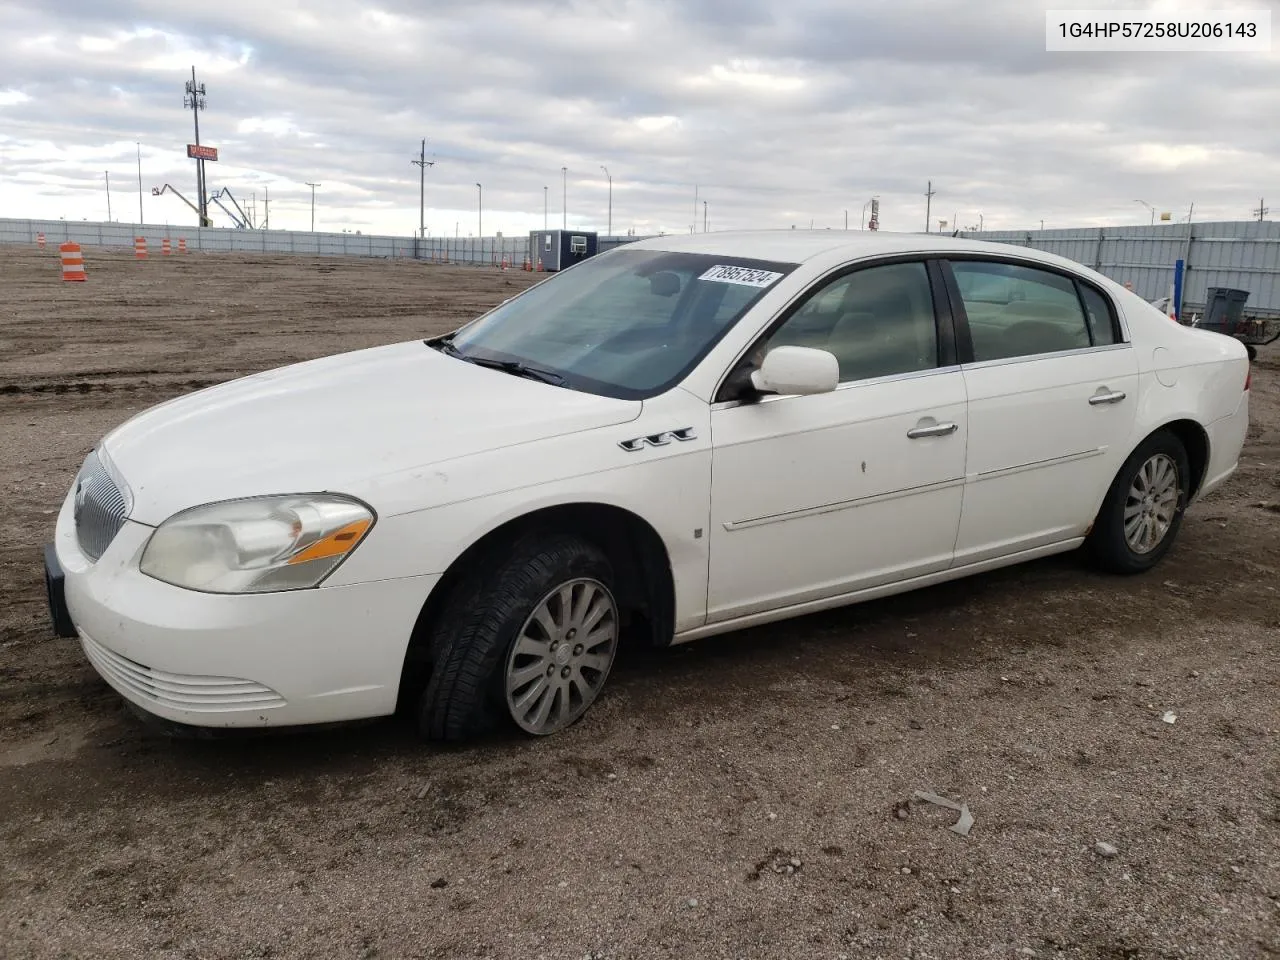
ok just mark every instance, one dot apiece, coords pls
pixel 747 276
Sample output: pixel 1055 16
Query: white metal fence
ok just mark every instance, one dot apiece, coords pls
pixel 1244 255
pixel 466 250
pixel 1240 254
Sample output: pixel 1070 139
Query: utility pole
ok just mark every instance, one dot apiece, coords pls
pixel 928 205
pixel 693 228
pixel 422 163
pixel 139 145
pixel 107 174
pixel 544 207
pixel 704 216
pixel 846 219
pixel 480 211
pixel 1262 210
pixel 564 199
pixel 606 173
pixel 195 99
pixel 313 204
pixel 266 208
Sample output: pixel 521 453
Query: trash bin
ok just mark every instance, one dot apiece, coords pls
pixel 1224 309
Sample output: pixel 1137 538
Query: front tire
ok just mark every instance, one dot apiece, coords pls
pixel 528 640
pixel 1143 509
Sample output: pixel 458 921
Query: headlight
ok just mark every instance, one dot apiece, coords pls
pixel 258 545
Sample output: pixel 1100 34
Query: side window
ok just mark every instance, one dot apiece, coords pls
pixel 1017 311
pixel 1102 324
pixel 878 322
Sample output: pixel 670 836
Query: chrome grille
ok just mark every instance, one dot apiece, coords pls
pixel 100 507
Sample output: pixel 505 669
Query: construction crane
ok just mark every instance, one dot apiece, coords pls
pixel 242 221
pixel 168 188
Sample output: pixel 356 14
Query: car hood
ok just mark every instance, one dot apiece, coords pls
pixel 335 424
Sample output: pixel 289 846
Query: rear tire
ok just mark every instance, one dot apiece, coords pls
pixel 1142 512
pixel 540 603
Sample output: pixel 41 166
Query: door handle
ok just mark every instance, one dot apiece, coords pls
pixel 936 430
pixel 1115 396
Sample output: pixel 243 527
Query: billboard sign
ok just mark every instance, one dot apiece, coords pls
pixel 198 151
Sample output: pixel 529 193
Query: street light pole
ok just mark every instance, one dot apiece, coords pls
pixel 313 204
pixel 139 144
pixel 704 216
pixel 544 207
pixel 480 215
pixel 1149 207
pixel 606 173
pixel 564 199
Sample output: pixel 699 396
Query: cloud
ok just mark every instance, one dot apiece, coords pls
pixel 776 112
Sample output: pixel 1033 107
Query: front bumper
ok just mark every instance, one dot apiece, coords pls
pixel 277 659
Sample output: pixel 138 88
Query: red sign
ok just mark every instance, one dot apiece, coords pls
pixel 198 151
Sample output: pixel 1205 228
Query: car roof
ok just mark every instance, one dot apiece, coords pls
pixel 798 246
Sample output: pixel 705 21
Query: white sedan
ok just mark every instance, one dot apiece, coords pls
pixel 681 437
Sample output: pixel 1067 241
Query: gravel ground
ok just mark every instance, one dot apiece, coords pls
pixel 745 796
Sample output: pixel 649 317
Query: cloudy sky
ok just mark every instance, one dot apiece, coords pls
pixel 777 112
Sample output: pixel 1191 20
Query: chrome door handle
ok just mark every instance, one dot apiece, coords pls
pixel 1115 396
pixel 937 430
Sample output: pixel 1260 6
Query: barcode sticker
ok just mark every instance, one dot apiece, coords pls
pixel 747 276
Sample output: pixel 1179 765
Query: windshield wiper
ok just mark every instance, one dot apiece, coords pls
pixel 514 367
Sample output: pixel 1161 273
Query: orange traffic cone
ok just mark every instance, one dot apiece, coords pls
pixel 72 262
pixel 182 244
pixel 139 248
pixel 40 240
pixel 540 267
pixel 165 249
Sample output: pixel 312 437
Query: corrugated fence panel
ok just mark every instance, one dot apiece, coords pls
pixel 1240 254
pixel 1244 255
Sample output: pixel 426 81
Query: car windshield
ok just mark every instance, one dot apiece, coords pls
pixel 628 324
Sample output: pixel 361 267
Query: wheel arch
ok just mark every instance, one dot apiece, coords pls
pixel 1194 439
pixel 645 583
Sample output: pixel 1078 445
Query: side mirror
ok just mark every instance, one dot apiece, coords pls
pixel 797 370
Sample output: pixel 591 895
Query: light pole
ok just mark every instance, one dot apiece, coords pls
pixel 704 216
pixel 606 173
pixel 313 204
pixel 480 219
pixel 544 208
pixel 564 199
pixel 107 174
pixel 1149 207
pixel 139 145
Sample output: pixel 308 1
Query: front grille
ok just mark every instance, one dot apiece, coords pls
pixel 176 690
pixel 100 507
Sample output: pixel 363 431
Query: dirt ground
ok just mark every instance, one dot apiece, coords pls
pixel 745 796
